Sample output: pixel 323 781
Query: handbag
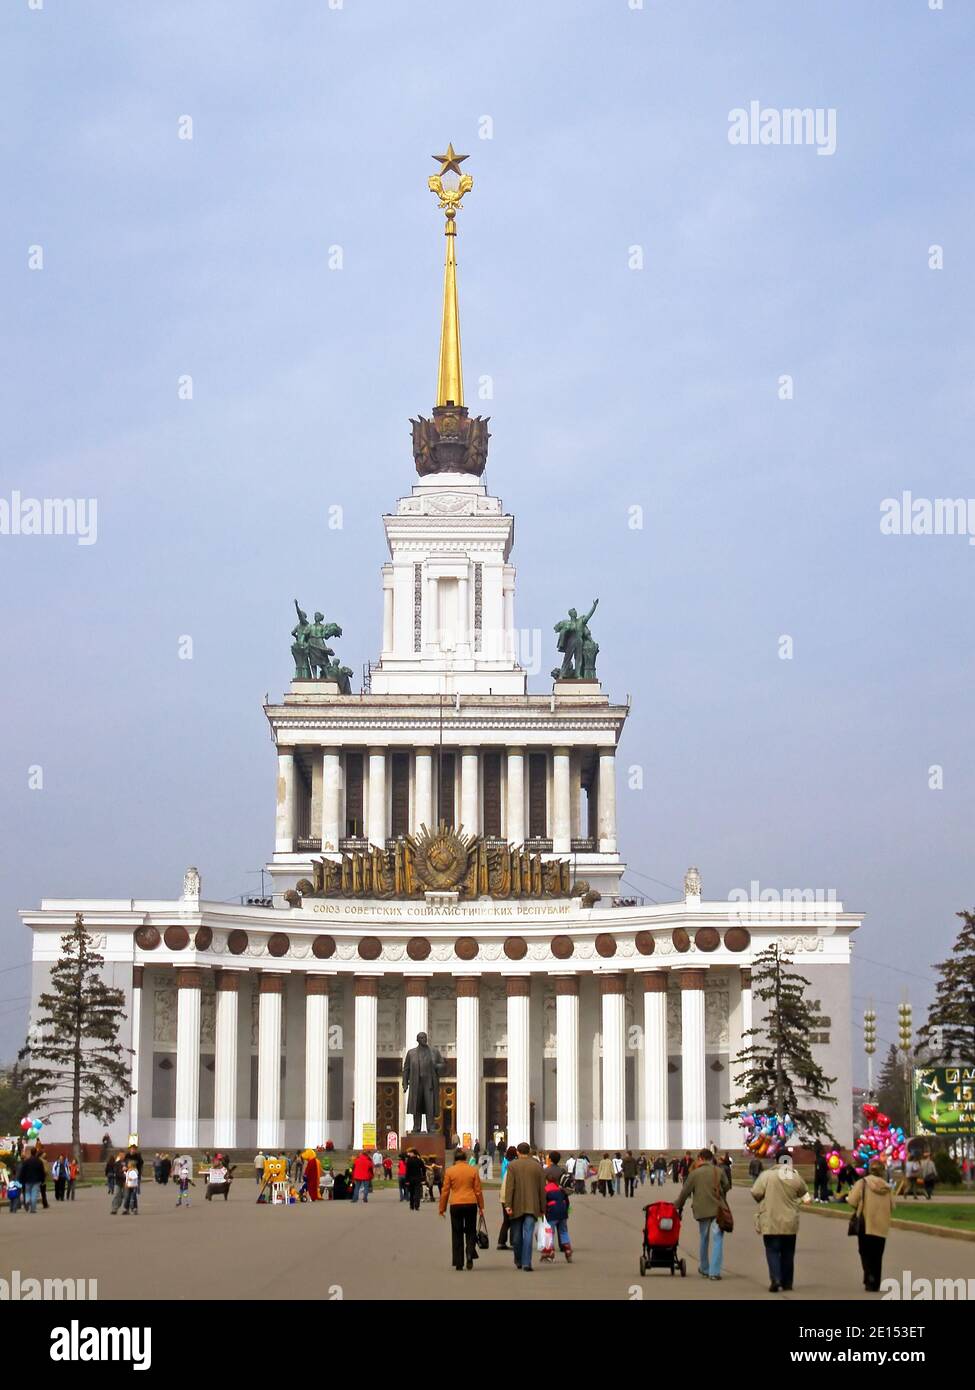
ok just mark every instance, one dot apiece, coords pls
pixel 857 1226
pixel 724 1218
pixel 483 1239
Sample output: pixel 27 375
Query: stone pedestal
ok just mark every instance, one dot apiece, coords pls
pixel 426 1145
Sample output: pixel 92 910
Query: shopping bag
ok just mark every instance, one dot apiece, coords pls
pixel 544 1236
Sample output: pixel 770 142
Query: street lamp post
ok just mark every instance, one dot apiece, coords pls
pixel 905 1031
pixel 870 1044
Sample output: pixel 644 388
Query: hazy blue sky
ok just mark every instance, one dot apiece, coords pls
pixel 613 387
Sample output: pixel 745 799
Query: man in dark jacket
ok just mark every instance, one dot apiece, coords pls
pixel 30 1175
pixel 523 1197
pixel 415 1176
pixel 629 1172
pixel 706 1185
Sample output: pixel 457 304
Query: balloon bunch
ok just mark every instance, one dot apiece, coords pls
pixel 766 1135
pixel 31 1128
pixel 879 1140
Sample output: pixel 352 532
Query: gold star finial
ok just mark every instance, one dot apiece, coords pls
pixel 451 161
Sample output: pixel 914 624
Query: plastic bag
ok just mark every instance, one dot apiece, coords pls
pixel 544 1237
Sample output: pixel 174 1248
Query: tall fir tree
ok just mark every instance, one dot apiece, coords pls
pixel 892 1089
pixel 949 1034
pixel 779 1072
pixel 75 1063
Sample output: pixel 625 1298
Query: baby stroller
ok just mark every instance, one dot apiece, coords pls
pixel 661 1232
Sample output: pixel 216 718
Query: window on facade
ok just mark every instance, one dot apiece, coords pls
pixel 353 793
pixel 446 806
pixel 400 801
pixel 537 779
pixel 491 775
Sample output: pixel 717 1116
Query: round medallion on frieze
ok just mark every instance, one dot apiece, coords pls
pixel 176 938
pixel 562 947
pixel 682 942
pixel 465 948
pixel 323 947
pixel 146 938
pixel 279 944
pixel 516 948
pixel 418 948
pixel 707 938
pixel 644 943
pixel 370 948
pixel 237 942
pixel 737 938
pixel 605 944
pixel 203 939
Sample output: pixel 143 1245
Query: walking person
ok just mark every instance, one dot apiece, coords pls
pixel 31 1175
pixel 510 1154
pixel 873 1204
pixel 617 1173
pixel 259 1161
pixel 131 1200
pixel 414 1175
pixel 822 1177
pixel 779 1193
pixel 523 1195
pixel 72 1179
pixel 629 1172
pixel 606 1176
pixel 59 1172
pixel 557 1215
pixel 183 1179
pixel 641 1170
pixel 462 1192
pixel 929 1175
pixel 404 1191
pixel 706 1186
pixel 118 1182
pixel 580 1168
pixel 362 1174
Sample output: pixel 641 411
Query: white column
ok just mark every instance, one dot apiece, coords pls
pixel 519 1111
pixel 509 624
pixel 561 801
pixel 654 1129
pixel 516 796
pixel 612 988
pixel 316 1060
pixel 469 791
pixel 468 1057
pixel 417 1008
pixel 284 824
pixel 567 1062
pixel 433 615
pixel 463 616
pixel 186 1131
pixel 387 610
pixel 364 1084
pixel 693 1073
pixel 423 794
pixel 225 1061
pixel 331 798
pixel 377 799
pixel 269 1062
pixel 607 800
pixel 137 974
pixel 746 1006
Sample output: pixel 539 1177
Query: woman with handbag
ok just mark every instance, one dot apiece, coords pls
pixel 707 1185
pixel 873 1204
pixel 462 1192
pixel 780 1192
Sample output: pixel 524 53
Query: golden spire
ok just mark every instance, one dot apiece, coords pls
pixel 450 185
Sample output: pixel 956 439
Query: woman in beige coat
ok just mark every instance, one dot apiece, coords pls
pixel 780 1192
pixel 874 1203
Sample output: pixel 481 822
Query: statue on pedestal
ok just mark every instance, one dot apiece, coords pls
pixel 314 658
pixel 577 647
pixel 423 1066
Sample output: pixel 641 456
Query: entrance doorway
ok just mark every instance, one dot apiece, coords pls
pixel 447 1119
pixel 495 1108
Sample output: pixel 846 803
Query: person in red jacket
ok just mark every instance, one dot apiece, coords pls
pixel 362 1175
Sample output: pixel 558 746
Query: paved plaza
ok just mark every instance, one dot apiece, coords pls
pixel 382 1250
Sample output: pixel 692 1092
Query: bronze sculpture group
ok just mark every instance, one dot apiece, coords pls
pixel 578 649
pixel 314 658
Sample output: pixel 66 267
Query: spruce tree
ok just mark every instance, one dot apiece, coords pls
pixel 779 1072
pixel 76 1064
pixel 949 1033
pixel 892 1089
